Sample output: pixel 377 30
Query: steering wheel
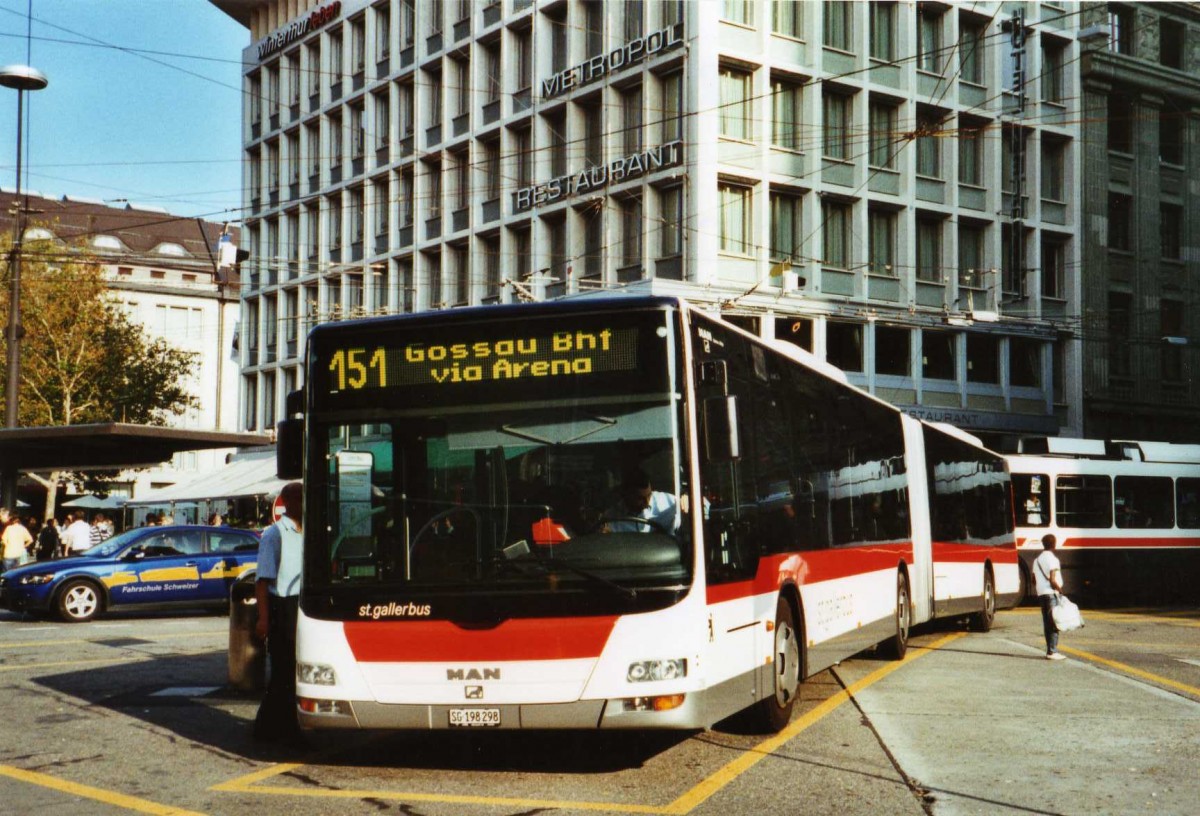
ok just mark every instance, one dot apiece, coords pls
pixel 636 520
pixel 443 514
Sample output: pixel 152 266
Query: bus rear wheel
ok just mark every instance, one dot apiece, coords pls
pixel 982 620
pixel 774 713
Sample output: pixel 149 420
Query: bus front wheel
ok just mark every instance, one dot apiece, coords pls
pixel 775 711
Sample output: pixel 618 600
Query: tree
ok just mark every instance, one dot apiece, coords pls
pixel 82 359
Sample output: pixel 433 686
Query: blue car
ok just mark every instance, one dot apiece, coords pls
pixel 142 568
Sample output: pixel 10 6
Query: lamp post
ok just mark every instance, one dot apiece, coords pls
pixel 22 78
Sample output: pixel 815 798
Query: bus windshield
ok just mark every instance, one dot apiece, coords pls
pixel 573 492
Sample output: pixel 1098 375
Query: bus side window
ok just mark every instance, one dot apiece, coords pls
pixel 1187 492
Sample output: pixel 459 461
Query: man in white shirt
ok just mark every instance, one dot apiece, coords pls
pixel 1047 580
pixel 277 596
pixel 78 535
pixel 640 501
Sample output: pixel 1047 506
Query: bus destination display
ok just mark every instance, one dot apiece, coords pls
pixel 514 356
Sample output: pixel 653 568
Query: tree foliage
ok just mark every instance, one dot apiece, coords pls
pixel 82 359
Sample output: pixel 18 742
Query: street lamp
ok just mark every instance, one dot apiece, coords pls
pixel 22 78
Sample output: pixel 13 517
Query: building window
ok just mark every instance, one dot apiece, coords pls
pixel 491 268
pixel 594 27
pixel 1171 325
pixel 844 345
pixel 1171 37
pixel 929 144
pixel 837 126
pixel 836 29
pixel 881 242
pixel 1120 331
pixel 883 31
pixel 736 214
pixel 929 38
pixel 1120 29
pixel 672 104
pixel 523 148
pixel 738 11
pixel 670 233
pixel 983 358
pixel 335 58
pixel 786 18
pixel 631 114
pixel 559 43
pixel 491 166
pixel 971 52
pixel 524 43
pixel 1120 122
pixel 939 355
pixel 835 228
pixel 381 205
pixel 334 226
pixel 970 152
pixel 357 214
pixel 1054 262
pixel 383 32
pixel 1053 169
pixel 558 144
pixel 785 227
pixel 785 114
pixel 1024 362
pixel 1171 231
pixel 893 355
pixel 492 56
pixel 1172 125
pixel 634 17
pixel 1120 222
pixel 1053 52
pixel 735 104
pixel 929 249
pixel 631 233
pixel 883 135
pixel 971 268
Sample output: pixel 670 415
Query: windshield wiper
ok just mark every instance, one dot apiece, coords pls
pixel 515 554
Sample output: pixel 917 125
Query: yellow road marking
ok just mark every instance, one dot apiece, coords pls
pixel 690 800
pixel 98 794
pixel 1125 669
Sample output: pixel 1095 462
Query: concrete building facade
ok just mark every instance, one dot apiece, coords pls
pixel 1141 199
pixel 892 185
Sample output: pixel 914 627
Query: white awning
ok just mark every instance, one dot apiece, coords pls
pixel 249 475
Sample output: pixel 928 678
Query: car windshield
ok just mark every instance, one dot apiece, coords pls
pixel 112 546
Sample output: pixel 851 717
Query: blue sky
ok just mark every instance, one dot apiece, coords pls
pixel 144 102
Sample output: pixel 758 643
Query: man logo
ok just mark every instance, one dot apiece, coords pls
pixel 472 674
pixel 474 692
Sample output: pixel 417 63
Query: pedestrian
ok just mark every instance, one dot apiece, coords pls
pixel 215 520
pixel 78 537
pixel 15 540
pixel 48 541
pixel 96 534
pixel 277 596
pixel 151 520
pixel 1047 578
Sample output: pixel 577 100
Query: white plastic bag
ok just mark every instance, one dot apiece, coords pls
pixel 1066 614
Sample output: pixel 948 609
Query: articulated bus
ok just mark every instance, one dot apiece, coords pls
pixel 1126 515
pixel 613 513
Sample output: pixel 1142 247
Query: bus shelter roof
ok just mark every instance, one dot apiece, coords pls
pixel 109 445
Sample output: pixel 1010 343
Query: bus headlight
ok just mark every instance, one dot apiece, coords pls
pixel 316 674
pixel 644 671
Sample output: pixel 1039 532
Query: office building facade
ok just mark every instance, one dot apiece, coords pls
pixel 891 185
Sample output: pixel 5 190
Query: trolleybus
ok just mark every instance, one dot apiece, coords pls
pixel 613 513
pixel 1126 515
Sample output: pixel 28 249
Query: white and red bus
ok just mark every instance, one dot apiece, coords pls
pixel 1126 515
pixel 476 555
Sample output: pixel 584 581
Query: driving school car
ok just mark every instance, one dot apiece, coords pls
pixel 147 567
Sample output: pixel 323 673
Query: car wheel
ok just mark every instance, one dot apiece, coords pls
pixel 78 601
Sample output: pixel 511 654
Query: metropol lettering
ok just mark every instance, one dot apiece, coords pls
pixel 594 178
pixel 601 65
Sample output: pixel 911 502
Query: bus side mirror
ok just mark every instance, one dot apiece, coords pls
pixel 721 442
pixel 289 449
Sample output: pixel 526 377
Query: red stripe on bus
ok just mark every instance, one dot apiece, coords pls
pixel 515 639
pixel 954 552
pixel 1141 541
pixel 812 567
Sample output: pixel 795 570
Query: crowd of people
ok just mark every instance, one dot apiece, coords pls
pixel 28 539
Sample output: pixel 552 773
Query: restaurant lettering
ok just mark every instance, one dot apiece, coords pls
pixel 595 178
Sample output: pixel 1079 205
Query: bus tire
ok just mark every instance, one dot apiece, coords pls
pixel 773 713
pixel 896 647
pixel 982 620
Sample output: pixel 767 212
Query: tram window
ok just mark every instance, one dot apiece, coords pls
pixel 1083 501
pixel 1031 492
pixel 1144 501
pixel 1187 496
